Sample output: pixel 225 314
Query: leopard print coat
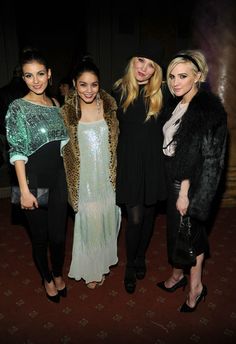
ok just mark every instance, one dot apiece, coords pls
pixel 71 152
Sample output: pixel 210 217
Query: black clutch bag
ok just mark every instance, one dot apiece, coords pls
pixel 184 253
pixel 40 193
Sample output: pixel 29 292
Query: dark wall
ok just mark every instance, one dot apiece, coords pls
pixel 115 28
pixel 57 31
pixel 109 30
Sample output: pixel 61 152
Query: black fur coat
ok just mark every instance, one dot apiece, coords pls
pixel 200 150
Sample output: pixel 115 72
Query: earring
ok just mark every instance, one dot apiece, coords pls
pixel 98 102
pixel 76 104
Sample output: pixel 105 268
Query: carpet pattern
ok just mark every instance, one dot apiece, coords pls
pixel 108 314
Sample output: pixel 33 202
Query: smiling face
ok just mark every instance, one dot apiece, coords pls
pixel 87 86
pixel 36 77
pixel 143 70
pixel 183 81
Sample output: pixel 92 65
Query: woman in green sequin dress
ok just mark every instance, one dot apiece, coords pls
pixel 90 163
pixel 36 133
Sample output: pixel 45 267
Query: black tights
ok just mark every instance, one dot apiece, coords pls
pixel 138 232
pixel 48 229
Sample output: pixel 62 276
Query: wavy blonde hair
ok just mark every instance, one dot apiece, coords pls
pixel 152 92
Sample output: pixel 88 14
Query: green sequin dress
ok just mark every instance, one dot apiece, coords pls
pixel 97 223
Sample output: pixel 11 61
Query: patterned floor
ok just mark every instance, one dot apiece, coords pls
pixel 108 314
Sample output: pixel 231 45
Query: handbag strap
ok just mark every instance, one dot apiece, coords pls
pixel 185 224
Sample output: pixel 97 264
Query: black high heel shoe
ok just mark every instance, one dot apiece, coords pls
pixel 186 309
pixel 54 298
pixel 182 283
pixel 62 292
pixel 130 280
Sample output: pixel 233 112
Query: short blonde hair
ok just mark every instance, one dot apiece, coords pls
pixel 195 58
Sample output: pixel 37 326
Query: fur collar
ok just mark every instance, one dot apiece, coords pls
pixel 204 112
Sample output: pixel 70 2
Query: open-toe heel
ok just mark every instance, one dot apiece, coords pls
pixel 102 281
pixel 91 285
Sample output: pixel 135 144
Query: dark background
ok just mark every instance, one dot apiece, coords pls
pixel 110 31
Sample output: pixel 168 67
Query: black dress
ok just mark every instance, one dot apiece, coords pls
pixel 140 167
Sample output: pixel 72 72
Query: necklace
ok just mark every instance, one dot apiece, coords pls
pixel 91 112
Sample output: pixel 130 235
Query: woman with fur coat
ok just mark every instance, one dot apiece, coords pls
pixel 195 133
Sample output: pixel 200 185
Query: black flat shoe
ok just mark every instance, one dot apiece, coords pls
pixel 186 309
pixel 140 273
pixel 130 286
pixel 130 280
pixel 62 292
pixel 140 268
pixel 181 284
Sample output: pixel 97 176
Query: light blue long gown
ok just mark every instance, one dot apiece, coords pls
pixel 97 222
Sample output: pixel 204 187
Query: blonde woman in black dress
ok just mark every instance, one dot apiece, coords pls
pixel 140 169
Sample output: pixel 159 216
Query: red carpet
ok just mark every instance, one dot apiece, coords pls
pixel 108 314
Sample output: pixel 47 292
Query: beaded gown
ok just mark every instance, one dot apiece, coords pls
pixel 97 222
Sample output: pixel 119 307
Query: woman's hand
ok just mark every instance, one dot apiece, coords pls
pixel 182 204
pixel 28 201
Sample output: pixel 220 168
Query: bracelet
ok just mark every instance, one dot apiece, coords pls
pixel 183 196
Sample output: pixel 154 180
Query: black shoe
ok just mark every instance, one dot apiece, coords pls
pixel 62 292
pixel 130 280
pixel 140 272
pixel 182 283
pixel 186 309
pixel 140 268
pixel 54 298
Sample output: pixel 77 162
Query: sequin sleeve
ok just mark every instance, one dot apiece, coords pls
pixel 16 133
pixel 31 126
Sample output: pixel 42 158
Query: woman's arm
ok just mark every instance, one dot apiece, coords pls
pixel 27 200
pixel 213 151
pixel 182 202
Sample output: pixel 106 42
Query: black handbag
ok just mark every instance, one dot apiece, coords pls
pixel 41 194
pixel 184 253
